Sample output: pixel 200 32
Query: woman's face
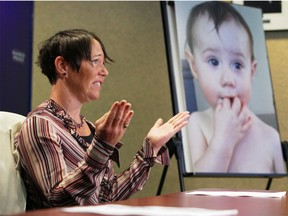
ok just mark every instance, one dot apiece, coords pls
pixel 87 83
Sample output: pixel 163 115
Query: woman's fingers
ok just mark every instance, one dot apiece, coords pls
pixel 123 114
pixel 112 125
pixel 120 114
pixel 179 120
pixel 128 118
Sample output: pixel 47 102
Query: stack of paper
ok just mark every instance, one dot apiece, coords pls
pixel 264 194
pixel 112 209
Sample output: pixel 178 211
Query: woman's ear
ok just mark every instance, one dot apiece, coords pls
pixel 191 60
pixel 61 67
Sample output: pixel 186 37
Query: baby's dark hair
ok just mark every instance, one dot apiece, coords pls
pixel 73 45
pixel 218 12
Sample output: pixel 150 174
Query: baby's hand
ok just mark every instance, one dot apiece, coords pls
pixel 231 122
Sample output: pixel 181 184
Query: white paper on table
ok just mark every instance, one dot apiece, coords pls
pixel 263 194
pixel 116 209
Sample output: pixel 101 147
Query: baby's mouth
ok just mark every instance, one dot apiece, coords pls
pixel 231 99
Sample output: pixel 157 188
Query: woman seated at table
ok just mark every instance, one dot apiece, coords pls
pixel 66 159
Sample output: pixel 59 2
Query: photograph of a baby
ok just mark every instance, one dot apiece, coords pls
pixel 227 136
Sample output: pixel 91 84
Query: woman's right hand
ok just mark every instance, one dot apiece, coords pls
pixel 161 132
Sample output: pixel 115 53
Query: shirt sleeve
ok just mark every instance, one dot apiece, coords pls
pixel 134 178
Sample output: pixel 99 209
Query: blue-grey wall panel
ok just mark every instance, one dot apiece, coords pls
pixel 16 31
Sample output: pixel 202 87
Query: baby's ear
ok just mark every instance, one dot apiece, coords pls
pixel 253 68
pixel 191 60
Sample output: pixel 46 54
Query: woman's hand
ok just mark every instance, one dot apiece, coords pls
pixel 112 125
pixel 160 133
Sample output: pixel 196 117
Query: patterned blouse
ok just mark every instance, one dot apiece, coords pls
pixel 60 168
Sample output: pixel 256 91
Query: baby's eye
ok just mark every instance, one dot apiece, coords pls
pixel 237 66
pixel 213 62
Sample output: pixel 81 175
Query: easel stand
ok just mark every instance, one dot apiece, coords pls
pixel 175 148
pixel 172 147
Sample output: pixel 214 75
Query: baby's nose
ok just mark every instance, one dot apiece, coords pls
pixel 228 78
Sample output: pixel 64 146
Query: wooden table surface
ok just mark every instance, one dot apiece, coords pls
pixel 246 206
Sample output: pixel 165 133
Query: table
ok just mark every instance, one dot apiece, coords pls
pixel 246 205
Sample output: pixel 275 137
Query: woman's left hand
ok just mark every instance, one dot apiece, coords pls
pixel 112 125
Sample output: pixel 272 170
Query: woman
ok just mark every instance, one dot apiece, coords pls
pixel 66 159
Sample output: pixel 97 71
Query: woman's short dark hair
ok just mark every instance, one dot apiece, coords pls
pixel 73 45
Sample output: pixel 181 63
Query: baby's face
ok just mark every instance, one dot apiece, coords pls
pixel 222 61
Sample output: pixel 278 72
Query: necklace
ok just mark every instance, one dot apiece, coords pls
pixel 79 125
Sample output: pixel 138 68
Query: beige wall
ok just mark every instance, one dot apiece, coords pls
pixel 133 35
